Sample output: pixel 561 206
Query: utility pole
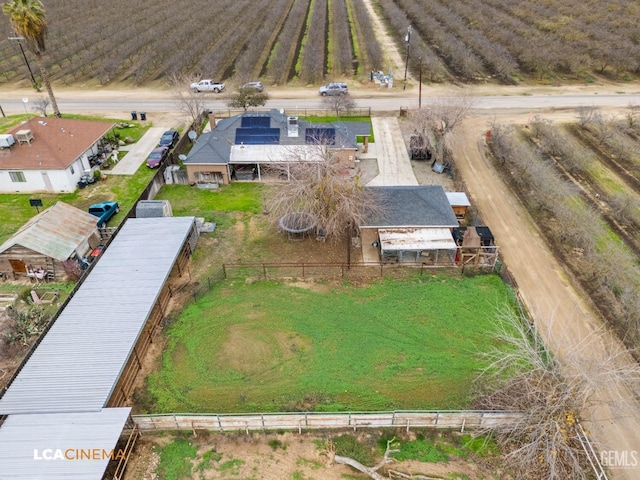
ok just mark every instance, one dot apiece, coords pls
pixel 24 55
pixel 407 40
pixel 420 87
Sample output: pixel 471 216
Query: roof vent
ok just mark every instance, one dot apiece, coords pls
pixel 24 136
pixel 292 126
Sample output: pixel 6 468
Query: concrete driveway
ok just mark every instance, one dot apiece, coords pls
pixel 138 152
pixel 394 165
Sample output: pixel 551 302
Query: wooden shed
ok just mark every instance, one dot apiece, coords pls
pixel 39 249
pixel 459 203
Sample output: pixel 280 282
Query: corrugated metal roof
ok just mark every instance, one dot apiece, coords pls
pixel 79 361
pixel 55 232
pixel 415 239
pixel 24 439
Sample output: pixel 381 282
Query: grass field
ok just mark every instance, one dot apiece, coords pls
pixel 273 346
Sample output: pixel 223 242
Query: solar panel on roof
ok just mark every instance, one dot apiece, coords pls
pixel 263 122
pixel 320 136
pixel 257 136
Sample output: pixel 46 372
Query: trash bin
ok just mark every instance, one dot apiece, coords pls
pixel 134 115
pixel 143 116
pixel 404 111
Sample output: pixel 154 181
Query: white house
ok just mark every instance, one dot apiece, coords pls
pixel 49 154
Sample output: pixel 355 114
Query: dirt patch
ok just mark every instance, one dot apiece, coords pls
pixel 276 456
pixel 247 352
pixel 312 285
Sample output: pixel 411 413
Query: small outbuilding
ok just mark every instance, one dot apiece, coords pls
pixel 40 248
pixel 413 225
pixel 459 203
pixel 153 209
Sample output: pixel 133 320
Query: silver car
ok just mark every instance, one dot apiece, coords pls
pixel 333 88
pixel 257 86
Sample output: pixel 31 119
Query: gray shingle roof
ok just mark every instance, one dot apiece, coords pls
pixel 412 206
pixel 214 147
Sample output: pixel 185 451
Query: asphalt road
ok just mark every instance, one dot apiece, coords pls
pixel 115 101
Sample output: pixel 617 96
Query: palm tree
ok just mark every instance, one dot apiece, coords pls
pixel 28 19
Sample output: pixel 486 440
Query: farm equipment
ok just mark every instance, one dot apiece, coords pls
pixel 419 148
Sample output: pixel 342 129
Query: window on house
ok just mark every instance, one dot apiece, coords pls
pixel 17 177
pixel 72 170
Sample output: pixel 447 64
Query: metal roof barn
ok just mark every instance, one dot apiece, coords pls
pixel 31 445
pixel 77 365
pixel 43 234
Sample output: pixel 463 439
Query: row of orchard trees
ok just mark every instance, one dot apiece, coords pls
pixel 604 264
pixel 142 41
pixel 509 40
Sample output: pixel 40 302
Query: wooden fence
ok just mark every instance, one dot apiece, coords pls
pixel 446 419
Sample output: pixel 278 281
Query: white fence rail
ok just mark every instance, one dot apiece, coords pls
pixel 451 419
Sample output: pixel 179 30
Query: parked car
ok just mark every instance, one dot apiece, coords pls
pixel 334 88
pixel 157 156
pixel 208 86
pixel 257 86
pixel 169 139
pixel 104 211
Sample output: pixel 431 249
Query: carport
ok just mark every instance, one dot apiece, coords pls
pixel 417 245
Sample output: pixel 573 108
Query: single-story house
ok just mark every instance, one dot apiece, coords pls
pixel 244 146
pixel 414 224
pixel 48 154
pixel 41 246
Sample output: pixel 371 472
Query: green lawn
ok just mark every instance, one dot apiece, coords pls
pixel 273 346
pixel 15 210
pixel 200 202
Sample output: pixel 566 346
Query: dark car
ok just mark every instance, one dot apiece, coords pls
pixel 169 139
pixel 157 156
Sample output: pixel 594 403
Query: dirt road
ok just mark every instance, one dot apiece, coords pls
pixel 561 315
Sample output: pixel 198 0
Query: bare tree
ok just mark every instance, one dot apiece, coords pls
pixel 189 102
pixel 245 97
pixel 40 105
pixel 603 127
pixel 543 442
pixel 339 103
pixel 632 115
pixel 318 185
pixel 585 115
pixel 438 122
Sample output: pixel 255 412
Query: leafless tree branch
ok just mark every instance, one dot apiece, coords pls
pixel 528 377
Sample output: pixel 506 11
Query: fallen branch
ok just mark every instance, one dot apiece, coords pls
pixel 371 471
pixel 396 474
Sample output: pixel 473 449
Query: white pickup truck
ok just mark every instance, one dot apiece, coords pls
pixel 208 86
